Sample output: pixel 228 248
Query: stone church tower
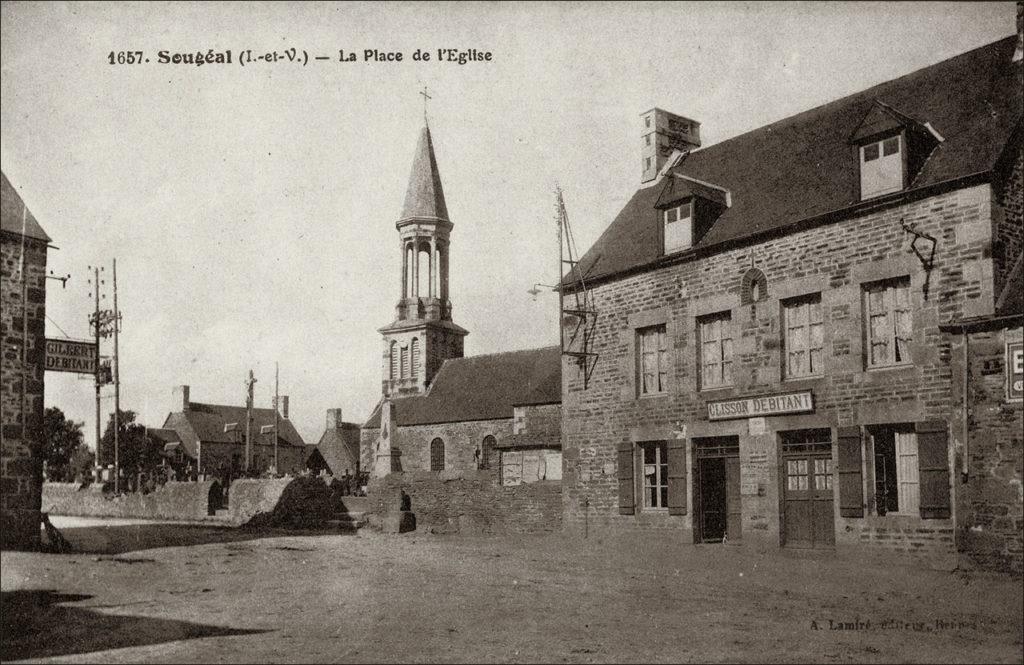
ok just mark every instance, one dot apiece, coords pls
pixel 422 336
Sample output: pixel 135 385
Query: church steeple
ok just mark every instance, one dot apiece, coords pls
pixel 424 199
pixel 422 335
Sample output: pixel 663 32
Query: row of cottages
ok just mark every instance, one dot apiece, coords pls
pixel 23 254
pixel 439 410
pixel 776 357
pixel 211 438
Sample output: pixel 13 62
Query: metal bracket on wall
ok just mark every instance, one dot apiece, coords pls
pixel 926 257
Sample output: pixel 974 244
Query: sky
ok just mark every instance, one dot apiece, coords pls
pixel 252 209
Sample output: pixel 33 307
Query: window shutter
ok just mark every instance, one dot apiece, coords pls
pixel 933 464
pixel 851 485
pixel 626 491
pixel 677 477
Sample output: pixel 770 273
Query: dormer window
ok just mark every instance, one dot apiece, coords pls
pixel 678 227
pixel 881 167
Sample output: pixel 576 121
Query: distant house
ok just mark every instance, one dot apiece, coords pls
pixel 337 453
pixel 213 437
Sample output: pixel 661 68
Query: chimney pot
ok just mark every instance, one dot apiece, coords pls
pixel 334 419
pixel 282 406
pixel 181 397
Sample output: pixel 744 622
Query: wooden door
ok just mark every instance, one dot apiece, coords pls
pixel 807 490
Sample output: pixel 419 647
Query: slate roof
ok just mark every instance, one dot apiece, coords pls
pixel 205 422
pixel 11 209
pixel 340 448
pixel 803 167
pixel 483 388
pixel 424 199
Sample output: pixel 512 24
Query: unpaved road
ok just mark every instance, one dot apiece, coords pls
pixel 183 593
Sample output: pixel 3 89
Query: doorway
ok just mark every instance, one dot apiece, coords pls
pixel 719 511
pixel 807 511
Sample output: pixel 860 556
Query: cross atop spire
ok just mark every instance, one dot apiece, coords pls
pixel 425 98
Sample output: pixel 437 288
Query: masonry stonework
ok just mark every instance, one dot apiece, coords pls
pixel 989 505
pixel 835 260
pixel 21 474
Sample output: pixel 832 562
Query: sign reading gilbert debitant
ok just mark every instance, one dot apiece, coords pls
pixel 64 355
pixel 765 405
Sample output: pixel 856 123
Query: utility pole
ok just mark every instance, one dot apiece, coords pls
pixel 96 323
pixel 117 390
pixel 248 421
pixel 277 406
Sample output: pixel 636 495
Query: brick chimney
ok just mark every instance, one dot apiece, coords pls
pixel 181 398
pixel 334 419
pixel 661 134
pixel 282 407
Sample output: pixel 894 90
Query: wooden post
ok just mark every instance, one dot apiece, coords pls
pixel 117 390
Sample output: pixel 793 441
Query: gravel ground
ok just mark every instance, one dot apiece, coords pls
pixel 179 593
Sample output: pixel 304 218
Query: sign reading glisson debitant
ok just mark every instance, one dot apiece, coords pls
pixel 756 407
pixel 63 355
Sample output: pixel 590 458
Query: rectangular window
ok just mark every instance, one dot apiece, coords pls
pixel 715 334
pixel 888 319
pixel 652 360
pixel 881 167
pixel 678 227
pixel 897 475
pixel 654 463
pixel 803 336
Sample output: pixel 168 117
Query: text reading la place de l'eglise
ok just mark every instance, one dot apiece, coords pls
pixel 213 57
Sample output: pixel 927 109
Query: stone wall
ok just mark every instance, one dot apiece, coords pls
pixel 991 504
pixel 171 501
pixel 462 442
pixel 305 501
pixel 1008 215
pixel 835 260
pixel 21 476
pixel 470 501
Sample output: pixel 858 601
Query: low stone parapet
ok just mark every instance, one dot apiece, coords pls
pixel 289 502
pixel 172 501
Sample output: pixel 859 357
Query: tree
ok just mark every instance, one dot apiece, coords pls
pixel 62 439
pixel 136 450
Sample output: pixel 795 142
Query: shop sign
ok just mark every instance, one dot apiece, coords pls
pixel 1015 371
pixel 63 355
pixel 758 407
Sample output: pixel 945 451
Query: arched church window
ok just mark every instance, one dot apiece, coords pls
pixel 410 290
pixel 393 374
pixel 415 358
pixel 487 454
pixel 405 361
pixel 437 455
pixel 425 271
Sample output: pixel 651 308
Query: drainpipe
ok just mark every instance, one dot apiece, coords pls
pixel 965 461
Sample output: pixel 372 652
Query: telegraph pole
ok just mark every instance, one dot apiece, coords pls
pixel 117 390
pixel 277 406
pixel 96 323
pixel 248 421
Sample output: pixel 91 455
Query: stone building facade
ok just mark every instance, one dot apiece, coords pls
pixel 23 253
pixel 767 367
pixel 212 437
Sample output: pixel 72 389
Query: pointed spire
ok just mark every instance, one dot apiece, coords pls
pixel 424 198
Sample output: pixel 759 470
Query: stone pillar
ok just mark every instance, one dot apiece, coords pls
pixel 386 454
pixel 433 267
pixel 416 267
